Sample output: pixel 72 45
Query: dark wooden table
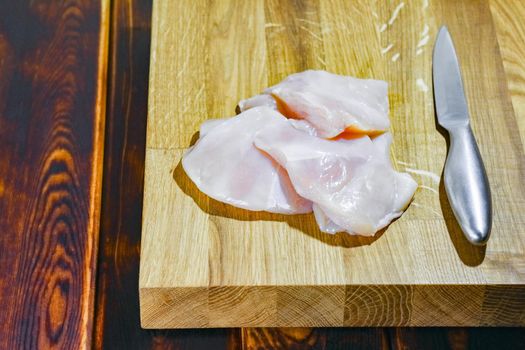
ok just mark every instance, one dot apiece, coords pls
pixel 71 176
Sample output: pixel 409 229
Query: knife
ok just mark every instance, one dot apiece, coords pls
pixel 465 178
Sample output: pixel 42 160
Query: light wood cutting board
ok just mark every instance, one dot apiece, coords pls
pixel 207 264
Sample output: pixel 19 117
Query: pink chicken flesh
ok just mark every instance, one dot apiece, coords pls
pixel 351 183
pixel 226 166
pixel 335 105
pixel 314 142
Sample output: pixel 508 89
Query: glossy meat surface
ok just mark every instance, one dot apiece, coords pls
pixel 333 104
pixel 225 165
pixel 351 183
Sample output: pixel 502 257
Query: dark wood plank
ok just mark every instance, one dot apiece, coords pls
pixel 457 338
pixel 52 97
pixel 383 338
pixel 315 338
pixel 117 317
pixel 428 338
pixel 496 338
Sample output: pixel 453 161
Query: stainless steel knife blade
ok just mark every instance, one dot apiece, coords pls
pixel 465 177
pixel 451 105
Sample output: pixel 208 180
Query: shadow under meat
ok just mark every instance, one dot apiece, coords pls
pixel 470 254
pixel 304 222
pixel 194 138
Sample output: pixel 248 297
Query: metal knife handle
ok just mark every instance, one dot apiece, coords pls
pixel 467 185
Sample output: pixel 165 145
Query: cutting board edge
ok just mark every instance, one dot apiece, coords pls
pixel 332 306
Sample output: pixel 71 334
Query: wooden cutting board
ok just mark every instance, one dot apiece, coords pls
pixel 207 264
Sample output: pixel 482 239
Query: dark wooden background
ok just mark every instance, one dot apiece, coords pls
pixel 55 102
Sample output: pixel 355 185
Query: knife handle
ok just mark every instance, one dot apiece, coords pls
pixel 467 185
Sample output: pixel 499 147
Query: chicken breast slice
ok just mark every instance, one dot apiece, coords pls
pixel 351 183
pixel 334 104
pixel 302 125
pixel 325 224
pixel 225 165
pixel 209 124
pixel 257 101
pixel 382 145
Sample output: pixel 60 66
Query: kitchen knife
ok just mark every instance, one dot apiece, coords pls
pixel 465 178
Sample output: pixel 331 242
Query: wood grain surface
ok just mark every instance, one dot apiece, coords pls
pixel 120 329
pixel 117 324
pixel 511 36
pixel 52 102
pixel 222 266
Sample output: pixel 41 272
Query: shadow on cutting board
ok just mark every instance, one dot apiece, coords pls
pixel 470 255
pixel 305 222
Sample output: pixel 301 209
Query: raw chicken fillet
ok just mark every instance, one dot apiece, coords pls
pixel 333 104
pixel 351 183
pixel 225 165
pixel 314 142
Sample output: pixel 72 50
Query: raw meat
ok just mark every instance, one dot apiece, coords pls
pixel 226 166
pixel 351 183
pixel 257 100
pixel 334 104
pixel 320 158
pixel 210 124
